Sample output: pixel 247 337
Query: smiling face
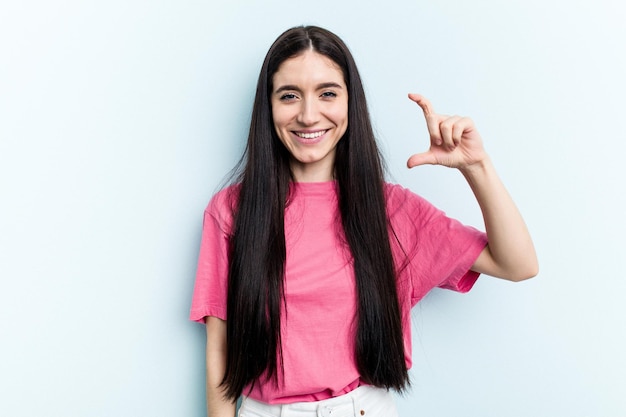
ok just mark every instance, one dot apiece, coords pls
pixel 310 113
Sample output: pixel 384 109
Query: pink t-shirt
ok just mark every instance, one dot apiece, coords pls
pixel 318 329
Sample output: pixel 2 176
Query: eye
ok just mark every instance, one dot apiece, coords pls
pixel 288 97
pixel 329 94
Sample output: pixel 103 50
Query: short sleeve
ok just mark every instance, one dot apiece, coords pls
pixel 434 250
pixel 211 285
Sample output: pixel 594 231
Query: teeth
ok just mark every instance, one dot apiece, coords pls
pixel 311 135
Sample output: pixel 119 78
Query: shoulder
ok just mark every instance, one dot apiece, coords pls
pixel 398 198
pixel 224 198
pixel 406 207
pixel 222 206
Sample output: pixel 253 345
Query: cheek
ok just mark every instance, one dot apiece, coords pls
pixel 280 124
pixel 280 118
pixel 340 115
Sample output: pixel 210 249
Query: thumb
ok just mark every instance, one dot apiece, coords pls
pixel 426 158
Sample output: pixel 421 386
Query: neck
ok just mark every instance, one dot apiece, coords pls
pixel 312 172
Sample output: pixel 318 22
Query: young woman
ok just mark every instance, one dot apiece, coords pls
pixel 310 262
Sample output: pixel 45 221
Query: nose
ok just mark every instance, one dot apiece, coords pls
pixel 309 112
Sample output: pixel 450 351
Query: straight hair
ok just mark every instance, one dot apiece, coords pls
pixel 256 277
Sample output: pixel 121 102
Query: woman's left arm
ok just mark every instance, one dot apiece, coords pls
pixel 455 143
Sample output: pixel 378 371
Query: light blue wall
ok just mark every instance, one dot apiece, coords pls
pixel 119 119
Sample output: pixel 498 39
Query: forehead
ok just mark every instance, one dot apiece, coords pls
pixel 308 67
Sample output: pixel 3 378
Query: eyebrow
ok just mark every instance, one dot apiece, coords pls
pixel 296 88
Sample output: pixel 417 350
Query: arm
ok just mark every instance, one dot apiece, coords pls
pixel 455 143
pixel 217 405
pixel 510 253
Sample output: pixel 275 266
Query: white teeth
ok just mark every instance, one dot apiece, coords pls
pixel 310 135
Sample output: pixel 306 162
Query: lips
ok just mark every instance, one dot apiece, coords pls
pixel 310 135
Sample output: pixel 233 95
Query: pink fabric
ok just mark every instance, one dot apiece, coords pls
pixel 318 326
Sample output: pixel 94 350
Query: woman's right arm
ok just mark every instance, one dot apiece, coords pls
pixel 217 405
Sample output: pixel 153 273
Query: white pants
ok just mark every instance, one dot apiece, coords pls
pixel 364 401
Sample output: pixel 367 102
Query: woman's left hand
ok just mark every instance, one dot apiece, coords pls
pixel 454 140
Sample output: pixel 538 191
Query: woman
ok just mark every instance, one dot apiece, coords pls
pixel 309 265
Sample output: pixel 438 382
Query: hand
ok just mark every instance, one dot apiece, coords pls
pixel 454 140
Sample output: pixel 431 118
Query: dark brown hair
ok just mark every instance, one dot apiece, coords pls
pixel 257 252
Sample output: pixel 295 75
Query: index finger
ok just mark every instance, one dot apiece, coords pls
pixel 423 102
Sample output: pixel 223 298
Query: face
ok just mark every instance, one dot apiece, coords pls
pixel 310 112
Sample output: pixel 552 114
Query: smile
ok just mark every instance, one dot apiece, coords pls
pixel 310 135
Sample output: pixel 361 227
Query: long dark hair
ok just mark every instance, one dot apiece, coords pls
pixel 257 251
